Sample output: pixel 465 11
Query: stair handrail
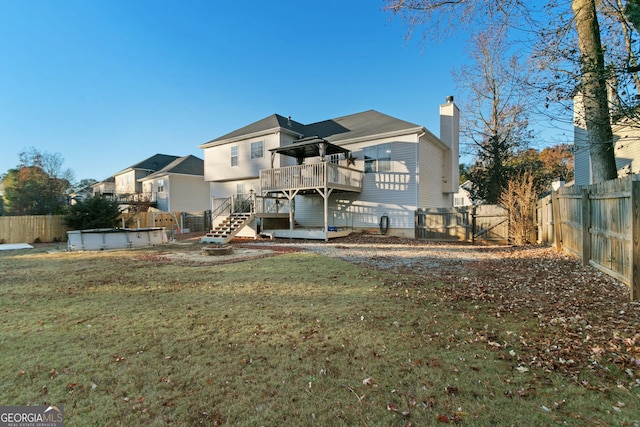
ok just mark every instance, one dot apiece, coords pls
pixel 220 209
pixel 244 203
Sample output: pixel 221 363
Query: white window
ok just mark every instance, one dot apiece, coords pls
pixel 377 158
pixel 257 150
pixel 160 185
pixel 240 190
pixel 336 158
pixel 234 155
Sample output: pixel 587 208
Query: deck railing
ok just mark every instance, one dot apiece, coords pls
pixel 310 176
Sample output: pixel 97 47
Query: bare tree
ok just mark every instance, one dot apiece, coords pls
pixel 555 57
pixel 496 122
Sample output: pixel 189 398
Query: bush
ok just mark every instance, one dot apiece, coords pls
pixel 96 212
pixel 519 198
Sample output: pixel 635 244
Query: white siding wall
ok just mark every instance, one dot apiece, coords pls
pixel 581 156
pixel 217 160
pixel 431 175
pixel 126 183
pixel 220 190
pixel 187 193
pixel 627 149
pixel 393 193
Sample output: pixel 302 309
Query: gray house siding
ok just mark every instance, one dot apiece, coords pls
pixel 393 193
pixel 395 184
pixel 627 149
pixel 626 142
pixel 430 175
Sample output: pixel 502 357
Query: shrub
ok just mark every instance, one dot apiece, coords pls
pixel 519 198
pixel 95 212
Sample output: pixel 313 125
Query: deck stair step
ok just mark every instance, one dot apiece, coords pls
pixel 227 229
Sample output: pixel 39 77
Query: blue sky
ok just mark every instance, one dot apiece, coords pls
pixel 108 83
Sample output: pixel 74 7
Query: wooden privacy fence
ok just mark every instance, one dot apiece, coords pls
pixel 173 222
pixel 51 228
pixel 32 229
pixel 599 224
pixel 482 223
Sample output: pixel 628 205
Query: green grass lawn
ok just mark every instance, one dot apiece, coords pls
pixel 127 338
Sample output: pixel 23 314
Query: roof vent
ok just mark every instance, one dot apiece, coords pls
pixel 449 99
pixel 289 121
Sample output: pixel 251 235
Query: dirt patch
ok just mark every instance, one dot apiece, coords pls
pixel 190 253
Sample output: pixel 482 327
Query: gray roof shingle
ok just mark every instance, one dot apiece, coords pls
pixel 187 165
pixel 367 123
pixel 273 121
pixel 153 163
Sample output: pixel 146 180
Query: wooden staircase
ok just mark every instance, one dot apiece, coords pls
pixel 227 229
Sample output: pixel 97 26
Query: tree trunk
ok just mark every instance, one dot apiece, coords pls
pixel 594 90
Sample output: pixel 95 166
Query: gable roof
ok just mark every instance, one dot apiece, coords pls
pixel 272 122
pixel 152 164
pixel 186 165
pixel 364 124
pixel 359 125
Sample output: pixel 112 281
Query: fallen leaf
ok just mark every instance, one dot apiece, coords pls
pixel 450 389
pixel 444 418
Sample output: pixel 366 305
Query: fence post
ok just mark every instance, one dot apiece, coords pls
pixel 586 226
pixel 473 224
pixel 557 229
pixel 634 282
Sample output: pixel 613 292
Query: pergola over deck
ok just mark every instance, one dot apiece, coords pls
pixel 322 177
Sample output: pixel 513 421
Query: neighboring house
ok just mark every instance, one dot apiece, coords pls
pixel 168 183
pixel 179 186
pixel 127 181
pixel 626 143
pixel 463 196
pixel 356 172
pixel 106 188
pixel 75 196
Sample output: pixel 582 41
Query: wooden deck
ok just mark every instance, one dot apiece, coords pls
pixel 311 177
pixel 308 233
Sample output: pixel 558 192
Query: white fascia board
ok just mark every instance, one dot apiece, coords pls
pixel 417 130
pixel 152 177
pixel 123 171
pixel 237 178
pixel 437 140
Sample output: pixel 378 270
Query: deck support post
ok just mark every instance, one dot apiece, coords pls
pixel 325 193
pixel 291 194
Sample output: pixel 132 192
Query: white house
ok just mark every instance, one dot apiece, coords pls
pixel 463 196
pixel 127 181
pixel 106 188
pixel 179 186
pixel 626 146
pixel 355 172
pixel 168 183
